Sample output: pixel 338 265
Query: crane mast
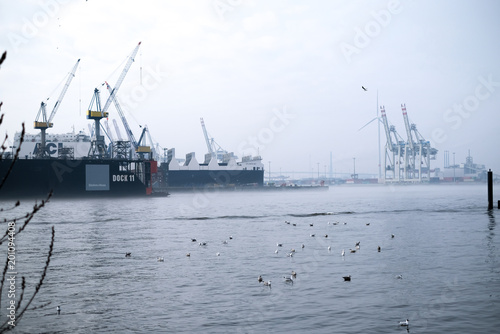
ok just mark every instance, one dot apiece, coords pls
pixel 47 123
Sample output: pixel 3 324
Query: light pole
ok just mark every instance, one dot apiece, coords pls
pixel 454 167
pixel 269 172
pixel 354 174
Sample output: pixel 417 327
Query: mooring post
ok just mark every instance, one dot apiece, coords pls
pixel 490 190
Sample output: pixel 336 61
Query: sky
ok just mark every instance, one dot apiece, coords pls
pixel 282 79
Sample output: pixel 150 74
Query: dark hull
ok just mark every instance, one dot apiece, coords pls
pixel 75 178
pixel 213 178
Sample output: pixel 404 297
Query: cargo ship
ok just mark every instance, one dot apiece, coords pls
pixel 70 170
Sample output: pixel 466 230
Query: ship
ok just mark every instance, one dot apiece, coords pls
pixel 68 169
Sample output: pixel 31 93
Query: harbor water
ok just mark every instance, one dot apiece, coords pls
pixel 438 264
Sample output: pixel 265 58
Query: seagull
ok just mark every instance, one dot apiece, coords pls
pixel 294 224
pixel 159 259
pixel 230 237
pixel 188 254
pixel 128 254
pixel 392 235
pixel 193 239
pixel 289 254
pixel 311 224
pixel 292 250
pixel 260 279
pixel 276 252
pixel 326 235
pixel 345 223
pixel 404 323
pixel 224 242
pixel 303 245
pixel 329 248
pixel 364 88
pixel 58 310
pixel 279 245
pixel 399 276
pixel 287 222
pixel 379 248
pixel 268 283
pixel 218 254
pixel 203 243
pixel 294 274
pixel 288 279
pixel 347 278
pixel 312 235
pixel 352 250
pixel 343 253
pixel 357 243
pixel 367 224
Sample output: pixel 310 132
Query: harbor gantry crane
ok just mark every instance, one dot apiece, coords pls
pixel 410 169
pixel 421 152
pixel 394 150
pixel 214 149
pixel 98 146
pixel 45 123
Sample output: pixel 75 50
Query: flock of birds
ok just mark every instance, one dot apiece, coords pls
pixel 290 278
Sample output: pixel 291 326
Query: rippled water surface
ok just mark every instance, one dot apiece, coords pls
pixel 445 246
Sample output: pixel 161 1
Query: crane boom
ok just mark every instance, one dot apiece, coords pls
pixel 209 146
pixel 407 126
pixel 129 132
pixel 65 88
pixel 122 76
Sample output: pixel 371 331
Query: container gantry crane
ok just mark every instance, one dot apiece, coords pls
pixel 45 123
pixel 394 149
pixel 420 152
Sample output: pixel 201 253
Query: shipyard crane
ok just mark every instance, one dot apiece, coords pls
pixel 214 149
pixel 98 146
pixel 128 131
pixel 47 123
pixel 142 147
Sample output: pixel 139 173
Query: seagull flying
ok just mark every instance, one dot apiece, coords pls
pixel 364 88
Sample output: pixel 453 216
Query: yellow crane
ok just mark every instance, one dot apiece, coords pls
pixel 45 123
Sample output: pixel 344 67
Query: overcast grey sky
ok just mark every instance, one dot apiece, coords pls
pixel 282 78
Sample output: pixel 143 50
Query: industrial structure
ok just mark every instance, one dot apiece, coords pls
pixel 410 160
pixel 45 123
pixel 98 149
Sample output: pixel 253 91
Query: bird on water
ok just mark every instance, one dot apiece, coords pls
pixel 347 278
pixel 128 254
pixel 404 323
